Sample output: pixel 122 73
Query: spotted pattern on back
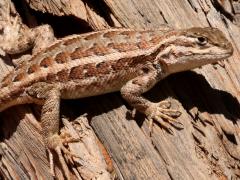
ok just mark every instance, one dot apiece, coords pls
pixel 33 68
pixel 46 62
pixel 88 45
pixel 62 57
pixel 79 53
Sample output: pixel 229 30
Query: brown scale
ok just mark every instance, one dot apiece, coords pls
pixel 62 57
pixel 91 70
pixel 79 53
pixel 122 47
pixel 76 72
pixel 51 77
pixel 46 62
pixel 71 41
pixel 62 75
pixel 143 44
pixel 155 39
pixel 19 76
pixel 120 64
pixel 76 39
pixel 110 34
pixel 134 62
pixel 98 50
pixel 117 66
pixel 33 68
pixel 92 36
pixel 129 34
pixel 103 68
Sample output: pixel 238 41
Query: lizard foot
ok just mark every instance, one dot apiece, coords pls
pixel 56 143
pixel 162 113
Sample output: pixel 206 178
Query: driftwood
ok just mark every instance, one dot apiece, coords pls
pixel 208 146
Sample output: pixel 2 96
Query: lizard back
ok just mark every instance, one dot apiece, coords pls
pixel 83 59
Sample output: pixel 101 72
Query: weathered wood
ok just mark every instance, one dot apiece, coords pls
pixel 77 8
pixel 210 137
pixel 208 146
pixel 22 146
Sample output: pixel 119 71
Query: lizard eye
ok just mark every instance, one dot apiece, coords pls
pixel 202 40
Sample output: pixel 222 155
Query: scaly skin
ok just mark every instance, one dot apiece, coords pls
pixel 111 60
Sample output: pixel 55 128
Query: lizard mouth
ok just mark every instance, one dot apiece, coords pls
pixel 208 58
pixel 194 61
pixel 221 56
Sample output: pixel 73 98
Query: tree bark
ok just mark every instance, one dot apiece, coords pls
pixel 207 148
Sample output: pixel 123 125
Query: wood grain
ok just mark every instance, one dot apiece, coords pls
pixel 208 146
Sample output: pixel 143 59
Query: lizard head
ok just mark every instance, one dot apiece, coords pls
pixel 194 47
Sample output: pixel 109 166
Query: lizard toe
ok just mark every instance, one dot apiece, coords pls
pixel 56 143
pixel 164 116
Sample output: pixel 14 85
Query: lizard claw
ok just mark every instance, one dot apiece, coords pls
pixel 56 143
pixel 162 113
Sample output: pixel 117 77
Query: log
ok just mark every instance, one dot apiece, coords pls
pixel 208 97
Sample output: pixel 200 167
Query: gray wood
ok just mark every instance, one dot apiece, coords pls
pixel 208 146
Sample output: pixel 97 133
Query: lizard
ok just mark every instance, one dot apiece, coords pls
pixel 126 60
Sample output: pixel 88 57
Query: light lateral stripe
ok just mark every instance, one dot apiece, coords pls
pixel 97 59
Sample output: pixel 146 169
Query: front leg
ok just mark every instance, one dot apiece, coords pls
pixel 49 95
pixel 132 92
